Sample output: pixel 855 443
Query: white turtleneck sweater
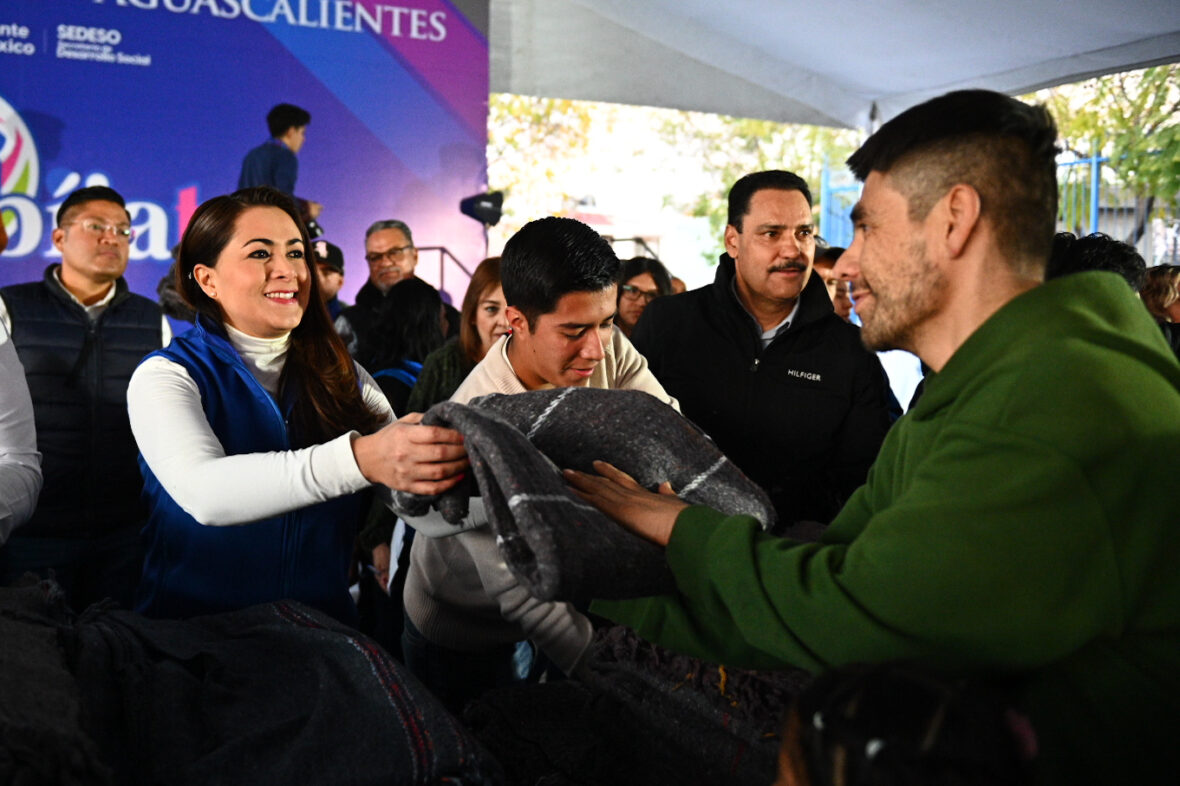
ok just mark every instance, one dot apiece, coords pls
pixel 177 442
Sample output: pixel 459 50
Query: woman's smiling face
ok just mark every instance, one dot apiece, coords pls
pixel 261 278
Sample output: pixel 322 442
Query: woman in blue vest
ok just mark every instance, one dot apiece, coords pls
pixel 259 438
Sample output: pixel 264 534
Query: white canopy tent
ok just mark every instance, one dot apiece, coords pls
pixel 840 63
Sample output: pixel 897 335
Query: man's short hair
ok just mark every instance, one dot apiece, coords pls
pixel 1003 148
pixel 89 194
pixel 1072 254
pixel 744 189
pixel 285 116
pixel 551 257
pixel 390 223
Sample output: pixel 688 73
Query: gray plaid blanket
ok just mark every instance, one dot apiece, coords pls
pixel 559 547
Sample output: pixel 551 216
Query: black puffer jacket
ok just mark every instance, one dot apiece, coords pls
pixel 804 418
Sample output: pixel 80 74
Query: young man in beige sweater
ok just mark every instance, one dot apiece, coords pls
pixel 464 609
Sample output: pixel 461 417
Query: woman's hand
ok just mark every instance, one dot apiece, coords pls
pixel 407 456
pixel 616 494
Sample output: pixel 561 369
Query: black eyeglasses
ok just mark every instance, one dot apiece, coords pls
pixel 392 254
pixel 634 293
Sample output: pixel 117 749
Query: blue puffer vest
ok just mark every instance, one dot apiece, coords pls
pixel 195 569
pixel 77 372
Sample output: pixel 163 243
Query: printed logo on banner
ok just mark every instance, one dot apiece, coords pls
pixel 20 172
pixel 353 16
pixel 14 40
pixel 25 221
pixel 96 44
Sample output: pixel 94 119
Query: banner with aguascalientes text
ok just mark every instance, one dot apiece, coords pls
pixel 161 99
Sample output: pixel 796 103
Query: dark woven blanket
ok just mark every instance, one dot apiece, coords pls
pixel 272 694
pixel 42 739
pixel 642 715
pixel 557 546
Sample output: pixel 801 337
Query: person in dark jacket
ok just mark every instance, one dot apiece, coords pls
pixel 392 257
pixel 79 334
pixel 329 265
pixel 762 363
pixel 481 323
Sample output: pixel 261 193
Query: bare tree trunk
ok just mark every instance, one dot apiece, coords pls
pixel 1142 216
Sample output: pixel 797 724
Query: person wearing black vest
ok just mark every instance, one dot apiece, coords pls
pixel 79 334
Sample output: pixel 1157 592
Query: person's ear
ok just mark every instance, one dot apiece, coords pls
pixel 961 208
pixel 516 321
pixel 731 240
pixel 58 237
pixel 206 280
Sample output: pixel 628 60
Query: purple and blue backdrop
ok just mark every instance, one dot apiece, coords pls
pixel 161 99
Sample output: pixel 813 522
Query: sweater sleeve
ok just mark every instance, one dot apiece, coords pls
pixel 176 441
pixel 858 440
pixel 20 463
pixel 974 565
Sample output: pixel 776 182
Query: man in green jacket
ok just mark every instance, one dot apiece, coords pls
pixel 1022 519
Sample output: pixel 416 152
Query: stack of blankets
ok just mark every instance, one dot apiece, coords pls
pixel 271 694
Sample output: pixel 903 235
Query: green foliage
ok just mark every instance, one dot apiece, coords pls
pixel 530 142
pixel 1133 118
pixel 726 148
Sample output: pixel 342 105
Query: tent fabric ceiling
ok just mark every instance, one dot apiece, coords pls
pixel 824 63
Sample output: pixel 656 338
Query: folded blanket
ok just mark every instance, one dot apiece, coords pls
pixel 42 739
pixel 559 547
pixel 640 715
pixel 271 694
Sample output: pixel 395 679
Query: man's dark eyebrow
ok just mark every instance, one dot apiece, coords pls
pixel 858 212
pixel 576 325
pixel 783 227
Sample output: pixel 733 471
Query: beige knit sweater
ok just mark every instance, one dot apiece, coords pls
pixel 459 593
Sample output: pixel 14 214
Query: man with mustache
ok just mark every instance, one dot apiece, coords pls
pixel 761 362
pixel 1019 520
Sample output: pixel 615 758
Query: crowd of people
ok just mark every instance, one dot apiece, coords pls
pixel 1018 522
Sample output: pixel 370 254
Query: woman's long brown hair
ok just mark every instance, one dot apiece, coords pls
pixel 319 376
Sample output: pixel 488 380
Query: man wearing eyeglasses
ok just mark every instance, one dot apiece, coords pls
pixel 392 257
pixel 79 333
